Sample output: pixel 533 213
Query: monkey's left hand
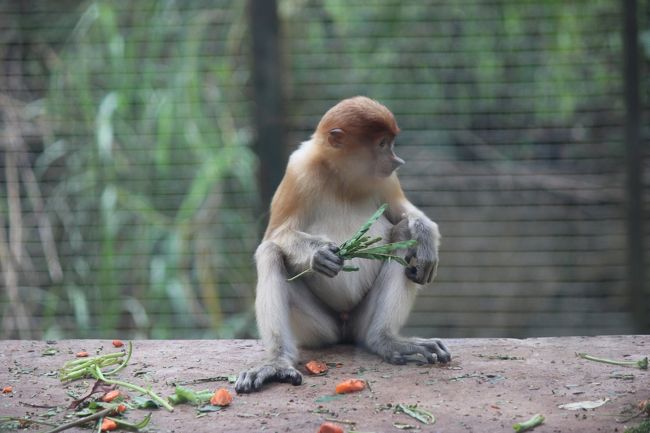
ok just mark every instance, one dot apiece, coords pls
pixel 423 257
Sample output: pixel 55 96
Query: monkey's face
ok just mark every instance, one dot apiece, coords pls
pixel 385 160
pixel 363 158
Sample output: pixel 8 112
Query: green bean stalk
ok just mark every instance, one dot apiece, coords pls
pixel 530 424
pixel 93 367
pixel 641 363
pixel 361 245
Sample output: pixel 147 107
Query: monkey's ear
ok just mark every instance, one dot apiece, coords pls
pixel 335 137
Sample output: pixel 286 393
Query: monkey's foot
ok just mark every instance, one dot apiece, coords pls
pixel 407 349
pixel 252 380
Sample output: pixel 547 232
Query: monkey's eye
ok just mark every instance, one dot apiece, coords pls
pixel 383 142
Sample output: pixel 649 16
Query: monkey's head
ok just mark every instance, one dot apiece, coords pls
pixel 358 135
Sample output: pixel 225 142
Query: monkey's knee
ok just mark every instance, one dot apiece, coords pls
pixel 400 231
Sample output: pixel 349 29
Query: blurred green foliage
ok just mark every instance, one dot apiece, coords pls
pixel 149 176
pixel 469 66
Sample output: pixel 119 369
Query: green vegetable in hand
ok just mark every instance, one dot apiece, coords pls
pixel 360 245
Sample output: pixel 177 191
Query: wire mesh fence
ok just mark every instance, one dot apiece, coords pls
pixel 129 199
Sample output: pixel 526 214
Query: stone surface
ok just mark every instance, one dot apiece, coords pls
pixel 489 385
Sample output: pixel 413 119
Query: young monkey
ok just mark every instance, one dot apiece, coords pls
pixel 332 184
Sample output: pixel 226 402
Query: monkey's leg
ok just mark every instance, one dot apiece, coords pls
pixel 287 315
pixel 383 312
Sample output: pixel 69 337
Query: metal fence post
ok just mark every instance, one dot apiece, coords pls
pixel 634 169
pixel 268 106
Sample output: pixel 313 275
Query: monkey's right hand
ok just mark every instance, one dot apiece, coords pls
pixel 326 260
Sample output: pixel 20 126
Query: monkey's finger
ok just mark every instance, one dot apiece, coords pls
pixel 411 273
pixel 410 255
pixel 263 375
pixel 333 248
pixel 290 375
pixel 436 346
pixel 243 384
pixel 415 349
pixel 427 268
pixel 442 353
pixel 417 273
pixel 328 268
pixel 332 256
pixel 434 271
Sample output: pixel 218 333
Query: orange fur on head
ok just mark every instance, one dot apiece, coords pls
pixel 358 117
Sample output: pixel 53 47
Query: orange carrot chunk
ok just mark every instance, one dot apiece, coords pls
pixel 108 424
pixel 118 343
pixel 316 367
pixel 329 427
pixel 120 409
pixel 82 354
pixel 110 396
pixel 7 390
pixel 350 385
pixel 221 397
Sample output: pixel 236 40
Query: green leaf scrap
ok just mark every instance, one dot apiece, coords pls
pixel 414 411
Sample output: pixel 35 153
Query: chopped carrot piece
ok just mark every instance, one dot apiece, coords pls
pixel 108 424
pixel 110 396
pixel 350 385
pixel 316 367
pixel 330 427
pixel 82 354
pixel 120 409
pixel 118 343
pixel 7 390
pixel 221 397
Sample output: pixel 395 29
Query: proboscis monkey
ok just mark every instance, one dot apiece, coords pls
pixel 332 184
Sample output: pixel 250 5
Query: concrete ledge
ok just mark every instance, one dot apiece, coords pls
pixel 489 385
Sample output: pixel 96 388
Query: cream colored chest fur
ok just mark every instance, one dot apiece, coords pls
pixel 338 222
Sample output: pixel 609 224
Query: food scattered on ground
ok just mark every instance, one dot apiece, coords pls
pixel 644 406
pixel 82 354
pixel 118 343
pixel 221 398
pixel 412 410
pixel 404 426
pixel 644 427
pixel 501 357
pixel 622 376
pixel 641 363
pixel 584 404
pixel 108 425
pixel 51 351
pixel 186 395
pixel 316 367
pixel 350 385
pixel 92 367
pixel 110 396
pixel 7 390
pixel 536 420
pixel 330 427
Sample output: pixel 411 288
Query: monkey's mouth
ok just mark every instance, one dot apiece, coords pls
pixel 385 172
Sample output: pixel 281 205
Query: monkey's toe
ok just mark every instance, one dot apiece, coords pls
pixel 432 350
pixel 252 380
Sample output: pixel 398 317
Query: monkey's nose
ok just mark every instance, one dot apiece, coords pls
pixel 396 162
